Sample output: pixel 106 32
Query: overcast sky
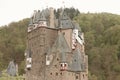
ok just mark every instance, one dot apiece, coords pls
pixel 15 10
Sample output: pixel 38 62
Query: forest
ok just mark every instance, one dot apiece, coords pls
pixel 102 43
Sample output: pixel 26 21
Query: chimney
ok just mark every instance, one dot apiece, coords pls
pixel 52 18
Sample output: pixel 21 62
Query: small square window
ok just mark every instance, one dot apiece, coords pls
pixel 61 65
pixel 56 74
pixel 76 77
pixel 55 65
pixel 57 59
pixel 50 73
pixel 61 73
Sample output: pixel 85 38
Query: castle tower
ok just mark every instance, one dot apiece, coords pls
pixel 55 52
pixel 42 21
pixel 52 18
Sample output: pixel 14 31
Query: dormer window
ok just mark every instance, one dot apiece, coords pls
pixel 47 60
pixel 63 66
pixel 42 23
pixel 29 63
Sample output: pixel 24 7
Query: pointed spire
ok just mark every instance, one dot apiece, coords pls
pixel 11 70
pixel 42 16
pixel 60 44
pixel 38 16
pixel 64 21
pixel 76 64
pixel 34 16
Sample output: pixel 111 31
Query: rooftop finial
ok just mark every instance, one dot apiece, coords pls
pixel 63 4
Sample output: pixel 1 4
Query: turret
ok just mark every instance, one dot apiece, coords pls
pixel 52 18
pixel 64 21
pixel 42 20
pixel 32 24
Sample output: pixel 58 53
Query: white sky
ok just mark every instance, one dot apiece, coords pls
pixel 15 10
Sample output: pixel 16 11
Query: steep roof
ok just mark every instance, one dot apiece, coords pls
pixel 64 21
pixel 38 14
pixel 11 70
pixel 42 16
pixel 76 64
pixel 63 57
pixel 60 44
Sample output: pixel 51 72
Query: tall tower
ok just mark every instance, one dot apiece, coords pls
pixel 55 52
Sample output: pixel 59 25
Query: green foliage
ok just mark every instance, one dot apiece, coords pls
pixel 5 76
pixel 13 43
pixel 102 43
pixel 102 38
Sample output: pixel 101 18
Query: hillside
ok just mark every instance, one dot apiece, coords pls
pixel 102 43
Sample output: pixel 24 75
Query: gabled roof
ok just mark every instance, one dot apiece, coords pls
pixel 76 65
pixel 60 44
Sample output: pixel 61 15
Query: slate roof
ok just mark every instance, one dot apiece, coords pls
pixel 42 16
pixel 76 64
pixel 61 47
pixel 38 14
pixel 60 44
pixel 34 17
pixel 64 21
pixel 63 57
pixel 11 70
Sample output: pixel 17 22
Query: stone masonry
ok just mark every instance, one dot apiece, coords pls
pixel 55 48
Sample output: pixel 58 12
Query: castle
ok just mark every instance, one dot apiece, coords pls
pixel 55 48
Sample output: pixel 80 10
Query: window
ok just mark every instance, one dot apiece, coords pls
pixel 65 65
pixel 76 77
pixel 57 59
pixel 61 65
pixel 55 65
pixel 61 73
pixel 50 73
pixel 56 74
pixel 63 33
pixel 83 76
pixel 75 60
